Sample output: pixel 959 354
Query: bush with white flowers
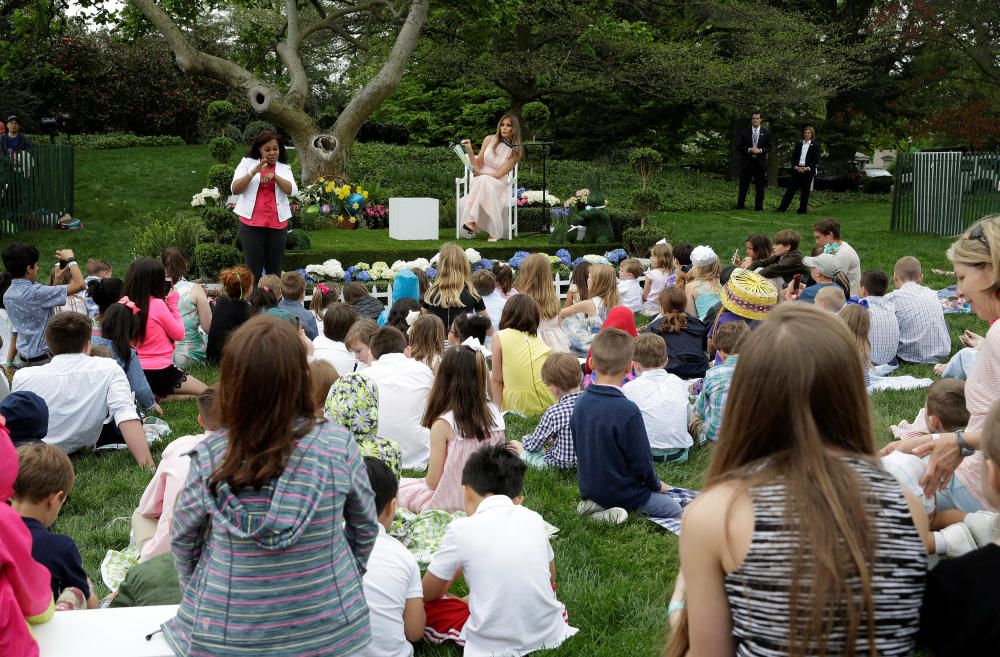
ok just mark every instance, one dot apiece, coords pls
pixel 201 199
pixel 331 270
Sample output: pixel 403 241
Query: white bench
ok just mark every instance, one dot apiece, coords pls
pixel 105 633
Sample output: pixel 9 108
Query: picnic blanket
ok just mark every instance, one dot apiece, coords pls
pixel 684 496
pixel 897 383
pixel 952 302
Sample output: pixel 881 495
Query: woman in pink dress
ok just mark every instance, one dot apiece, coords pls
pixel 461 421
pixel 489 192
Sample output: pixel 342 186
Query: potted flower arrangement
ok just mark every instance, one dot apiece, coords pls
pixel 341 203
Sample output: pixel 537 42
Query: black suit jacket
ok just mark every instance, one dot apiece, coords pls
pixel 812 157
pixel 745 143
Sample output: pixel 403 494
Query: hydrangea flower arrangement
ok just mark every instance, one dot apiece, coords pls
pixel 516 260
pixel 201 199
pixel 331 270
pixel 616 256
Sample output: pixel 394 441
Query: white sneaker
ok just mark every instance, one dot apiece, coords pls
pixel 985 526
pixel 588 507
pixel 613 516
pixel 958 540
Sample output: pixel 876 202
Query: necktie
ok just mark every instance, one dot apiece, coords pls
pixel 756 134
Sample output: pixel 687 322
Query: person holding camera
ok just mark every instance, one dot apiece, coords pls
pixel 263 181
pixel 30 305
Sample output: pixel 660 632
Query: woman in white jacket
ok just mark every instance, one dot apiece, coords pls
pixel 263 181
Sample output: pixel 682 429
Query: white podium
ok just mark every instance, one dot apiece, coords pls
pixel 413 218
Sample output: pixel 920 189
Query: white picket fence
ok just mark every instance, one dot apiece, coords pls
pixel 383 290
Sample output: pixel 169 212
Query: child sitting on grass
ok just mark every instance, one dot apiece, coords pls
pixel 358 339
pixel 461 419
pixel 152 518
pixel 330 345
pixel 322 376
pixel 660 276
pixel 550 445
pixel 712 399
pixel 324 296
pixel 367 306
pixel 662 398
pixel 629 290
pixel 960 602
pixel 392 585
pixel 470 326
pixel 293 297
pixel 486 285
pixel 426 340
pixel 44 481
pixel 615 469
pixel 503 552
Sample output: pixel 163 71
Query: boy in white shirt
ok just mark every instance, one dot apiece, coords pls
pixel 330 344
pixel 486 285
pixel 503 552
pixel 629 290
pixel 662 398
pixel 392 581
pixel 404 385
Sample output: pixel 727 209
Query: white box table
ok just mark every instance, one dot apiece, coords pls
pixel 413 218
pixel 105 632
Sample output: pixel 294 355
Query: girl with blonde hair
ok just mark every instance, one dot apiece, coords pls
pixel 584 319
pixel 703 286
pixel 426 340
pixel 484 206
pixel 452 293
pixel 535 280
pixel 859 322
pixel 660 276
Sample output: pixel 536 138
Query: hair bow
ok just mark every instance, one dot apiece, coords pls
pixel 128 303
pixel 265 288
pixel 412 317
pixel 323 290
pixel 474 344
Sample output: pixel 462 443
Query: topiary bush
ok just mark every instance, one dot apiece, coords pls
pixel 645 161
pixel 645 201
pixel 158 230
pixel 298 240
pixel 221 223
pixel 222 149
pixel 254 128
pixel 210 259
pixel 220 113
pixel 638 241
pixel 220 176
pixel 233 133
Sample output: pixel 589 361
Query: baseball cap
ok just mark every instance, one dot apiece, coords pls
pixel 825 263
pixel 26 415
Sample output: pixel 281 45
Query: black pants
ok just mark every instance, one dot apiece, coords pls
pixel 799 181
pixel 263 249
pixel 755 170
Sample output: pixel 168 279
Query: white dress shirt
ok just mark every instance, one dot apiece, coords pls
pixel 630 295
pixel 805 151
pixel 504 553
pixel 849 262
pixel 392 578
pixel 335 353
pixel 663 400
pixel 494 308
pixel 923 333
pixel 404 385
pixel 81 393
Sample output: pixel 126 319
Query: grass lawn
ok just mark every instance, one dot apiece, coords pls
pixel 615 581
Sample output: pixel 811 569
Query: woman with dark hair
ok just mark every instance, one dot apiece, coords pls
pixel 800 543
pixel 278 496
pixel 193 306
pixel 484 205
pixel 158 328
pixel 263 182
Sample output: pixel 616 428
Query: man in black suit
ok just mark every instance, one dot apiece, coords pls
pixel 753 145
pixel 805 157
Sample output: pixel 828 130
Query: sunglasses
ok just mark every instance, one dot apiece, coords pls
pixel 978 234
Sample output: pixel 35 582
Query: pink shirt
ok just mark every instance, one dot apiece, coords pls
pixel 161 494
pixel 164 327
pixel 982 389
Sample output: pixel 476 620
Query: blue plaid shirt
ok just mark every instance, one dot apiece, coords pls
pixel 712 399
pixel 554 435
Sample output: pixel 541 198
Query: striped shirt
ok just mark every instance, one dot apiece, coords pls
pixel 275 571
pixel 758 590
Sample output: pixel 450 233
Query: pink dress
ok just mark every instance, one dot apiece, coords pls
pixel 488 196
pixel 414 493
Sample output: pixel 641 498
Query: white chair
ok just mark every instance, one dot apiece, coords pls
pixel 462 186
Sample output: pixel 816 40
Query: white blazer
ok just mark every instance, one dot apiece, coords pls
pixel 246 200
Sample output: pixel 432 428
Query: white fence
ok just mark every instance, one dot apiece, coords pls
pixel 383 290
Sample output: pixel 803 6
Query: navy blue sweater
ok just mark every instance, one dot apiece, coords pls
pixel 615 462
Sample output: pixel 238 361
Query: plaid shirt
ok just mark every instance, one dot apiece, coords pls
pixel 923 334
pixel 884 331
pixel 712 399
pixel 554 432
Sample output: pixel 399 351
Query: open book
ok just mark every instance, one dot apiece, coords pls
pixel 461 154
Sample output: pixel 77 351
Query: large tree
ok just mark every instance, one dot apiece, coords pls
pixel 302 28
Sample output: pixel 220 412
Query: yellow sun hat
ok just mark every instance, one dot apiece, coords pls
pixel 749 294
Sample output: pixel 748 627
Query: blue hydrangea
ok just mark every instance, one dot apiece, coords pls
pixel 564 257
pixel 616 256
pixel 517 259
pixel 485 263
pixel 363 276
pixel 431 272
pixel 577 262
pixel 349 274
pixel 305 275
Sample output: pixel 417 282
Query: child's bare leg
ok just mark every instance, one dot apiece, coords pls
pixel 942 519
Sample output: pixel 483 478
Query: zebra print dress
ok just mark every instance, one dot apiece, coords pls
pixel 758 590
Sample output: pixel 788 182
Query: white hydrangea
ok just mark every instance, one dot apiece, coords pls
pixel 399 266
pixel 381 271
pixel 331 270
pixel 596 259
pixel 535 197
pixel 472 256
pixel 423 264
pixel 434 260
pixel 199 199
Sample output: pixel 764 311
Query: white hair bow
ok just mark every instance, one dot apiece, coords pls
pixel 474 344
pixel 412 317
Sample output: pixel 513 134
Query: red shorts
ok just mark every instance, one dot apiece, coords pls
pixel 445 619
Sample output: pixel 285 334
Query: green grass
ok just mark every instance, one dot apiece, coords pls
pixel 614 581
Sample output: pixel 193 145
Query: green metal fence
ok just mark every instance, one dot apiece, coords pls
pixel 944 193
pixel 36 187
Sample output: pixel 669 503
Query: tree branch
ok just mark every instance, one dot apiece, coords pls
pixel 288 50
pixel 330 21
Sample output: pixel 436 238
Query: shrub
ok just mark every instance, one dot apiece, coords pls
pixel 644 161
pixel 220 176
pixel 112 140
pixel 233 133
pixel 622 220
pixel 535 116
pixel 222 149
pixel 221 223
pixel 159 230
pixel 881 185
pixel 211 259
pixel 638 241
pixel 298 240
pixel 645 201
pixel 220 113
pixel 387 133
pixel 254 128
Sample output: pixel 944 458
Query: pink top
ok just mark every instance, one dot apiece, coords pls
pixel 164 327
pixel 160 495
pixel 265 208
pixel 414 493
pixel 25 584
pixel 980 393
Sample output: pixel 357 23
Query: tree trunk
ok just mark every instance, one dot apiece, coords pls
pixel 739 122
